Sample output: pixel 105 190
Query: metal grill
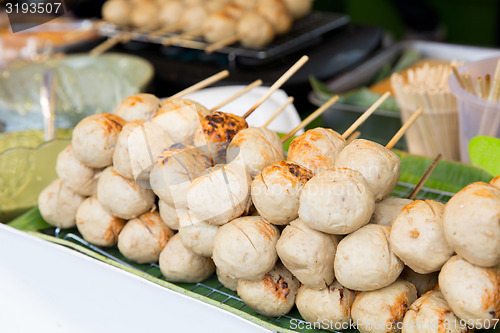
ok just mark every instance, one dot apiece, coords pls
pixel 303 32
pixel 214 290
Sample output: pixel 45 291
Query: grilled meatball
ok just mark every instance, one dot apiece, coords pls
pixel 273 295
pixel 382 310
pixel 317 149
pixel 197 235
pixel 276 191
pixel 179 264
pixel 255 30
pixel 471 291
pixel 432 314
pixel 117 12
pixel 94 139
pixel 220 194
pixel 170 13
pixel 365 261
pixel 337 202
pixel 180 118
pixel 79 178
pixel 58 204
pixel 193 17
pixel 174 171
pixel 216 132
pixel 417 236
pixel 227 281
pixel 143 238
pixel 122 197
pixel 298 8
pixel 329 308
pixel 277 14
pixel 169 215
pixel 308 254
pixel 388 209
pixel 145 15
pixel 138 107
pixel 378 165
pixel 96 224
pixel 258 147
pixel 219 26
pixel 245 248
pixel 471 224
pixel 495 181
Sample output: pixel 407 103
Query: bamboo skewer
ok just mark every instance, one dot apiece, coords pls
pixel 223 43
pixel 424 178
pixel 121 37
pixel 202 84
pixel 403 129
pixel 278 111
pixel 310 118
pixel 164 30
pixel 237 95
pixel 365 115
pixel 353 137
pixel 278 84
pixel 186 35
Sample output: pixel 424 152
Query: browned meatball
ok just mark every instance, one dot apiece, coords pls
pixel 216 132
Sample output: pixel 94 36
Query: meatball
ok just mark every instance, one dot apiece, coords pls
pixel 78 177
pixel 219 26
pixel 96 224
pixel 417 236
pixel 138 107
pixel 308 254
pixel 58 204
pixel 471 224
pixel 258 147
pixel 122 197
pixel 365 261
pixel 245 248
pixel 276 191
pixel 317 149
pixel 143 238
pixel 388 209
pixel 216 132
pixel 94 139
pixel 255 30
pixel 117 12
pixel 338 202
pixel 273 295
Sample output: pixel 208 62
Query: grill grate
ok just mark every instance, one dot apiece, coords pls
pixel 214 290
pixel 300 36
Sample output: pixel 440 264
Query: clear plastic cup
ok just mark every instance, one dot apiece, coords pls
pixel 476 116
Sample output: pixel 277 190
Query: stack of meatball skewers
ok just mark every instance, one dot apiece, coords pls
pixel 280 232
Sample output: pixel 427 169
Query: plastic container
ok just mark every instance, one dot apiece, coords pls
pixel 476 116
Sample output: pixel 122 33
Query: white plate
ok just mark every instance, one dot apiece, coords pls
pixel 284 123
pixel 48 288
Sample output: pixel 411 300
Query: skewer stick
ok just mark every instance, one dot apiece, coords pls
pixel 186 35
pixel 311 117
pixel 202 84
pixel 278 84
pixel 237 95
pixel 121 37
pixel 280 109
pixel 424 177
pixel 353 137
pixel 365 115
pixel 495 85
pixel 223 43
pixel 164 30
pixel 403 129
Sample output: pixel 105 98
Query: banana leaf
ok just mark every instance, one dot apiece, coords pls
pixel 484 152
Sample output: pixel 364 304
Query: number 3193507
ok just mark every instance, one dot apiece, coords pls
pixel 33 8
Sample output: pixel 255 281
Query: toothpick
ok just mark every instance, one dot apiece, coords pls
pixel 223 43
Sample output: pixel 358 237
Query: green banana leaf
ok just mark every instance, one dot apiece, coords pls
pixel 484 152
